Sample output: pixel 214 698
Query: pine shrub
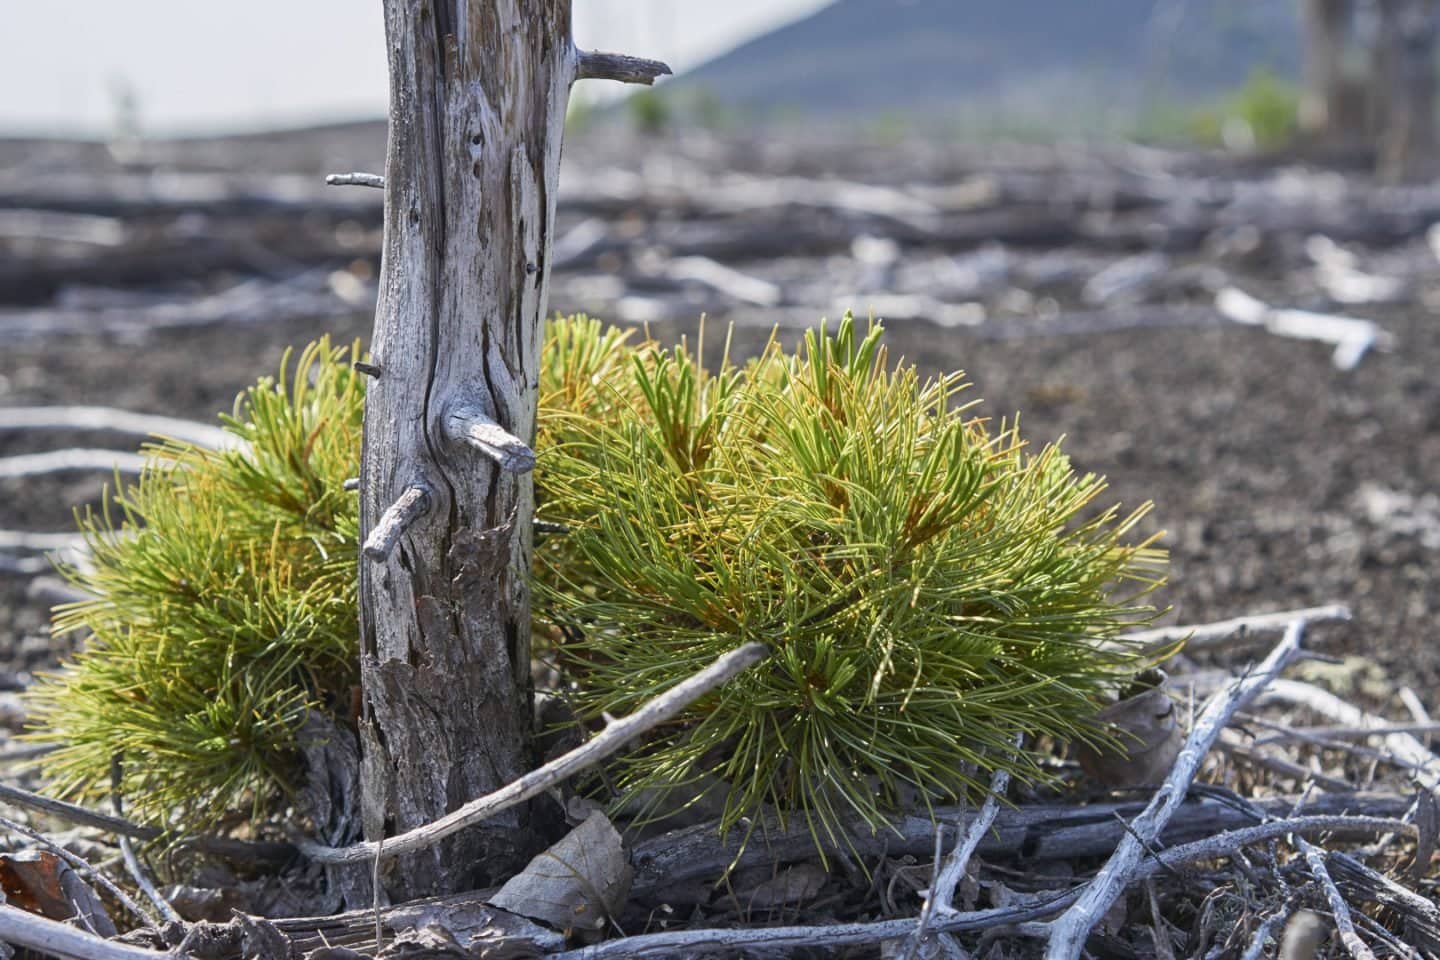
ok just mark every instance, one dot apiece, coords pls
pixel 930 587
pixel 224 608
pixel 928 584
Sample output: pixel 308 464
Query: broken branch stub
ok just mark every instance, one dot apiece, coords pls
pixel 477 111
pixel 470 425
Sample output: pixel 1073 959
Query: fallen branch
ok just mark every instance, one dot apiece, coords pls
pixel 724 280
pixel 1351 337
pixel 24 540
pixel 615 737
pixel 310 294
pixel 60 461
pixel 1343 732
pixel 82 866
pixel 682 859
pixel 1203 635
pixel 1402 745
pixel 1339 909
pixel 1230 743
pixel 247 851
pixel 21 928
pixel 942 890
pixel 1421 916
pixel 686 942
pixel 1069 932
pixel 116 421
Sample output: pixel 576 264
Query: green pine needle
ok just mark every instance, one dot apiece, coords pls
pixel 224 608
pixel 929 587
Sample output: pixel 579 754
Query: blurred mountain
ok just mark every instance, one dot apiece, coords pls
pixel 1040 60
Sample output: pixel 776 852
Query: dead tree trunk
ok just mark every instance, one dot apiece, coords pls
pixel 1323 104
pixel 478 90
pixel 1405 72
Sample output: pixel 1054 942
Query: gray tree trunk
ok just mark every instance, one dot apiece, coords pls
pixel 478 91
pixel 1322 104
pixel 1405 72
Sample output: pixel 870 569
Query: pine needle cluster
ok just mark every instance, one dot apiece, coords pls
pixel 930 588
pixel 224 608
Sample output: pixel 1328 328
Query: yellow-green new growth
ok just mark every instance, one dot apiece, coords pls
pixel 223 609
pixel 928 587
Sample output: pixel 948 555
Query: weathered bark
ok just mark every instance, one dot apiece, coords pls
pixel 1404 74
pixel 477 108
pixel 1322 106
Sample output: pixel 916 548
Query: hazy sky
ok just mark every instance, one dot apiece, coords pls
pixel 200 65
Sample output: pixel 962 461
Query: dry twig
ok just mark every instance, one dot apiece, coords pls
pixel 24 929
pixel 616 735
pixel 1200 636
pixel 1339 909
pixel 1402 746
pixel 684 942
pixel 1068 933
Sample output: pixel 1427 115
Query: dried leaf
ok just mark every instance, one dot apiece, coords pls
pixel 576 884
pixel 1149 739
pixel 792 885
pixel 41 882
pixel 205 903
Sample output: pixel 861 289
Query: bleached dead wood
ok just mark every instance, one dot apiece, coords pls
pixel 477 116
pixel 24 540
pixel 53 226
pixel 61 461
pixel 1338 272
pixel 355 180
pixel 22 928
pixel 724 280
pixel 669 865
pixel 133 195
pixel 1403 746
pixel 1067 934
pixel 1350 336
pixel 1339 909
pixel 469 423
pixel 309 294
pixel 1343 732
pixel 240 850
pixel 599 65
pixel 835 935
pixel 614 737
pixel 941 895
pixel 1203 635
pixel 1421 923
pixel 111 420
pixel 1125 279
pixel 412 504
pixel 1232 745
pixel 80 865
